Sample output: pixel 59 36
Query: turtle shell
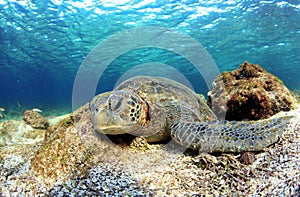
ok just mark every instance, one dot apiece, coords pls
pixel 159 93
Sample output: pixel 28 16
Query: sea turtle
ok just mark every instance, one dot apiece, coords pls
pixel 158 108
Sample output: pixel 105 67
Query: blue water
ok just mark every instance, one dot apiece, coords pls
pixel 44 43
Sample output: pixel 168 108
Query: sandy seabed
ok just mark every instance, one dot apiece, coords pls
pixel 166 170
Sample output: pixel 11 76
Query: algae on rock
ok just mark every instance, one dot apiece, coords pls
pixel 249 93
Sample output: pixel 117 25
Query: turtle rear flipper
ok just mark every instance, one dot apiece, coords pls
pixel 229 136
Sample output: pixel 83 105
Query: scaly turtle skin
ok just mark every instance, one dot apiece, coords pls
pixel 158 108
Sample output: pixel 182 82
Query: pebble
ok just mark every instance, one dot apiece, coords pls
pixel 101 181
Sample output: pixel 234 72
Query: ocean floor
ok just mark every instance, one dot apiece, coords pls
pixel 68 159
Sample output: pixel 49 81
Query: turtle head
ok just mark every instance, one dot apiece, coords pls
pixel 118 112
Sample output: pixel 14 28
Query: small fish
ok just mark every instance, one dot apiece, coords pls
pixel 19 104
pixel 2 109
pixel 1 116
pixel 37 110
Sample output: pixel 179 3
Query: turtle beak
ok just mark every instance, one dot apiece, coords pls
pixel 103 118
pixel 104 122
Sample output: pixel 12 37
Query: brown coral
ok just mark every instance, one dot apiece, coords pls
pixel 249 93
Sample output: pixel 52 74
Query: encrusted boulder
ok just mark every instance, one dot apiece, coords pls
pixel 35 119
pixel 249 93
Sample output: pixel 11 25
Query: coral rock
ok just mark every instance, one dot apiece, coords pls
pixel 35 120
pixel 249 93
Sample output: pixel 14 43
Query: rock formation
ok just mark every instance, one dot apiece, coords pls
pixel 35 119
pixel 249 93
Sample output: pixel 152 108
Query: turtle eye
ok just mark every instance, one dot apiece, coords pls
pixel 115 102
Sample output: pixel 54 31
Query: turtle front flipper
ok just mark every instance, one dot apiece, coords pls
pixel 229 136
